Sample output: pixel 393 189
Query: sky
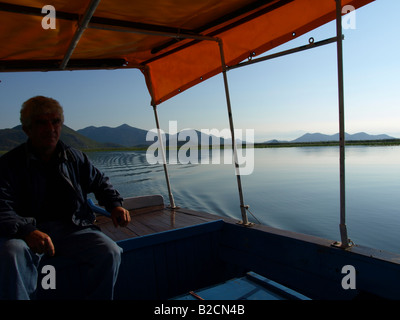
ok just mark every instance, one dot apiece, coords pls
pixel 279 99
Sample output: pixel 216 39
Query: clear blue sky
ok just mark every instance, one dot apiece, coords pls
pixel 281 98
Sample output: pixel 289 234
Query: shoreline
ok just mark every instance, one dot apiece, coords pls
pixel 388 142
pixel 372 143
pixel 368 143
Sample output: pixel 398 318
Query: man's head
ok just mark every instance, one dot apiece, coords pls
pixel 41 120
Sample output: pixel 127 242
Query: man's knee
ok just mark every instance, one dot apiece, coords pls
pixel 13 250
pixel 105 249
pixel 18 269
pixel 113 251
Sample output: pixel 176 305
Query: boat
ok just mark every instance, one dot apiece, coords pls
pixel 173 253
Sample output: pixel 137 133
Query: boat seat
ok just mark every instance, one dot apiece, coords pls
pixel 135 205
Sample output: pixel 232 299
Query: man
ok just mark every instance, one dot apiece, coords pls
pixel 44 212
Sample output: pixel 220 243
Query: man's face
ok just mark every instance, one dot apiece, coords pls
pixel 45 131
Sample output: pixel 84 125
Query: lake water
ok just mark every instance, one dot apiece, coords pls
pixel 295 189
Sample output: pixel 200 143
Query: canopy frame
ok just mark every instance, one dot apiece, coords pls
pixel 164 159
pixel 245 14
pixel 243 207
pixel 82 25
pixel 345 243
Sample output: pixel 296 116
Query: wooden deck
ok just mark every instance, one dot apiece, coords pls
pixel 153 220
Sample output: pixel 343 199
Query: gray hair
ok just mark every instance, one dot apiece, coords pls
pixel 37 106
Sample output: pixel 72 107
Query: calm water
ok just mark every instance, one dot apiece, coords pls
pixel 291 188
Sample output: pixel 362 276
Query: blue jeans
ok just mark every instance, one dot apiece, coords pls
pixel 89 251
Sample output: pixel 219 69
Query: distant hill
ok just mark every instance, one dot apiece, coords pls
pixel 79 141
pixel 128 136
pixel 201 138
pixel 11 138
pixel 320 137
pixel 123 135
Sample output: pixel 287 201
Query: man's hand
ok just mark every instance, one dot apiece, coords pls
pixel 120 217
pixel 40 242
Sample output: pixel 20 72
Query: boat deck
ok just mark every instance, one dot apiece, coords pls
pixel 153 220
pixel 207 257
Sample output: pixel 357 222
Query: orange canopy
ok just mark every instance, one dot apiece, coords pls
pixel 173 42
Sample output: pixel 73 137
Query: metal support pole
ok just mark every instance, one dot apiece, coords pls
pixel 309 46
pixel 171 197
pixel 245 221
pixel 82 26
pixel 343 228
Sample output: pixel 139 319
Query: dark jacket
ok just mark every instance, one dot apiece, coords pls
pixel 22 188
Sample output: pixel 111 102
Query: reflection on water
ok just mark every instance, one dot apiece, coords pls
pixel 290 188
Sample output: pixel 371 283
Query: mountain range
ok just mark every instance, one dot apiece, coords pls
pixel 123 135
pixel 10 138
pixel 127 136
pixel 319 137
pixel 104 137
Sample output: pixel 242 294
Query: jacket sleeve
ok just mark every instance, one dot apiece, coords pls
pixel 12 225
pixel 100 185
